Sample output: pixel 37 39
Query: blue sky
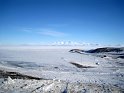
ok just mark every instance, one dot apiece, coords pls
pixel 46 21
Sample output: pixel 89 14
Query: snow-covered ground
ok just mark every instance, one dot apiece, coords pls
pixel 54 64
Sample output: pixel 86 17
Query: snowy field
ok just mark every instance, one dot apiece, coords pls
pixel 53 64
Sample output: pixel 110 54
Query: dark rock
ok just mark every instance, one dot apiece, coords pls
pixel 121 57
pixel 16 75
pixel 97 63
pixel 80 66
pixel 56 67
pixel 106 49
pixel 77 51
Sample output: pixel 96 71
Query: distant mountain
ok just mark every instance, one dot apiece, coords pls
pixel 74 43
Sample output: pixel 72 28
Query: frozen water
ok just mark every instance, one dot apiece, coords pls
pixel 55 64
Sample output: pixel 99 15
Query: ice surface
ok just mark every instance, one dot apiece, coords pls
pixel 55 64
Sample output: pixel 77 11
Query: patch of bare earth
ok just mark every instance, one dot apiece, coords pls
pixel 80 66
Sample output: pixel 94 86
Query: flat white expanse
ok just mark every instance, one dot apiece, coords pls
pixel 54 63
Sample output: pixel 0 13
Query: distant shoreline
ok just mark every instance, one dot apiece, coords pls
pixel 52 46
